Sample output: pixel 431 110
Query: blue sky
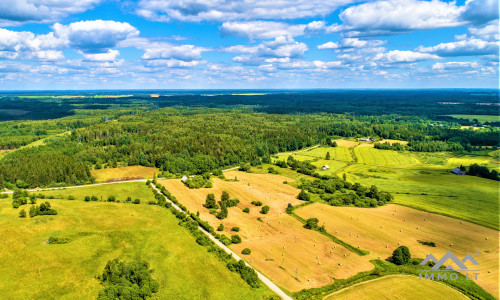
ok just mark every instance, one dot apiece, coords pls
pixel 219 44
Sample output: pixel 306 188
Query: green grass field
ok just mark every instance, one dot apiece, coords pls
pixel 377 157
pixel 99 232
pixel 480 118
pixel 397 287
pixel 336 153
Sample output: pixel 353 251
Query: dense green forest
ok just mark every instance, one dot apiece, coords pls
pixel 195 139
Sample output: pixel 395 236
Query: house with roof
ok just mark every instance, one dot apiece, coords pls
pixel 458 171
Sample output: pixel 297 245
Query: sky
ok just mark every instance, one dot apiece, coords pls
pixel 248 44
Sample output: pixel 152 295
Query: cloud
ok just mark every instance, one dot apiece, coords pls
pixel 388 17
pixel 269 29
pixel 111 55
pixel 280 47
pixel 480 11
pixel 26 45
pixel 94 36
pixel 225 10
pixel 468 47
pixel 488 32
pixel 173 63
pixel 455 65
pixel 351 43
pixel 172 51
pixel 397 56
pixel 17 12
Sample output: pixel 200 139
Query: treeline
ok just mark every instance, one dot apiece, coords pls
pixel 484 172
pixel 29 169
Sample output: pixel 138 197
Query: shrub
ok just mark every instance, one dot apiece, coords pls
pixel 257 203
pixel 303 195
pixel 111 199
pixel 236 229
pixel 401 255
pixel 264 210
pixel 246 251
pixel 210 202
pixel 137 201
pixel 22 213
pixel 129 199
pixel 58 240
pixel 87 199
pixel 130 279
pixel 426 243
pixel 71 198
pixel 221 227
pixel 311 223
pixel 15 204
pixel 94 198
pixel 246 210
pixel 235 239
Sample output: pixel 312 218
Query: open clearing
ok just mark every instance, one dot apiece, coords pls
pixel 398 287
pixel 102 175
pixel 279 240
pixel 480 118
pixel 336 153
pixel 381 230
pixel 99 232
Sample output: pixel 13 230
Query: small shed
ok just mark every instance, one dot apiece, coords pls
pixel 325 167
pixel 458 171
pixel 184 178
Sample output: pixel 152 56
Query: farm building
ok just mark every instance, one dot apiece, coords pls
pixel 184 178
pixel 325 167
pixel 369 139
pixel 458 171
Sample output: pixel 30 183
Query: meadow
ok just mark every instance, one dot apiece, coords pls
pixel 397 287
pixel 381 230
pixel 290 255
pixel 101 231
pixel 480 118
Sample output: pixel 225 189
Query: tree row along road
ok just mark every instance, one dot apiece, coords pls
pixel 262 278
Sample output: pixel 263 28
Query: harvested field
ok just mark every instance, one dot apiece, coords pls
pixel 381 230
pixel 281 248
pixel 397 287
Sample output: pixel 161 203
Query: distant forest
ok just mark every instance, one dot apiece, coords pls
pixel 434 104
pixel 198 134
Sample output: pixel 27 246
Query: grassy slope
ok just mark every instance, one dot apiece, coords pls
pixel 31 269
pixel 398 287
